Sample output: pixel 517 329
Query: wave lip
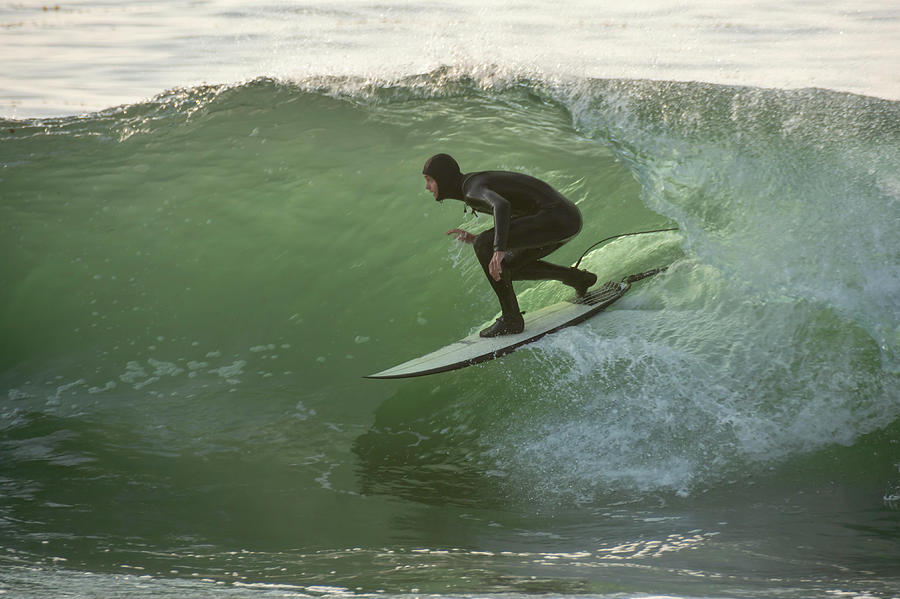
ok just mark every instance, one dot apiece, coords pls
pixel 97 51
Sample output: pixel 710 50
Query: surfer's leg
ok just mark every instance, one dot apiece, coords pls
pixel 511 320
pixel 523 260
pixel 523 267
pixel 541 270
pixel 484 249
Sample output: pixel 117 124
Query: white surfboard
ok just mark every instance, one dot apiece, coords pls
pixel 474 349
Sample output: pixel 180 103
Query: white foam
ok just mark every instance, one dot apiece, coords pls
pixel 682 397
pixel 172 44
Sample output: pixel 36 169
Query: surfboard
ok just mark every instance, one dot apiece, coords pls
pixel 474 349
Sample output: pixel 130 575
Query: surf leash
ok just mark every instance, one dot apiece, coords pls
pixel 620 235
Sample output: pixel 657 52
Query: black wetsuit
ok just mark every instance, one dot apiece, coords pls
pixel 531 220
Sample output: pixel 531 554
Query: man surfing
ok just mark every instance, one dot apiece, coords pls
pixel 531 220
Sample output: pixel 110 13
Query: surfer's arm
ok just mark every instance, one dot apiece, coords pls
pixel 494 267
pixel 501 210
pixel 461 235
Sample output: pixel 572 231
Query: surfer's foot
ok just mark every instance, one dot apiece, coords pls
pixel 586 281
pixel 505 325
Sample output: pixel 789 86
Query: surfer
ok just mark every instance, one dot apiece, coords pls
pixel 531 220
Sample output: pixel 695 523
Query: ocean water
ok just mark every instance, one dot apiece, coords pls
pixel 201 259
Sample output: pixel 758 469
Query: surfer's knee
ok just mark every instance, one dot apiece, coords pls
pixel 484 246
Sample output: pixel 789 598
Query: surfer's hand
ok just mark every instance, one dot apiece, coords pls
pixel 494 267
pixel 461 235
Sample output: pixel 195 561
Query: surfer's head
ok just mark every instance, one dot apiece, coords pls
pixel 431 185
pixel 443 177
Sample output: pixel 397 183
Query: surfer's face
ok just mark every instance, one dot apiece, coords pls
pixel 431 185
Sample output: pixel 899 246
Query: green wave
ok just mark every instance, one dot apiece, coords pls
pixel 225 259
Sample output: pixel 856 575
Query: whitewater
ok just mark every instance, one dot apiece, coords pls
pixel 213 225
pixel 86 56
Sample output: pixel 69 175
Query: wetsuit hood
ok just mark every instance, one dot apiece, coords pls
pixel 445 171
